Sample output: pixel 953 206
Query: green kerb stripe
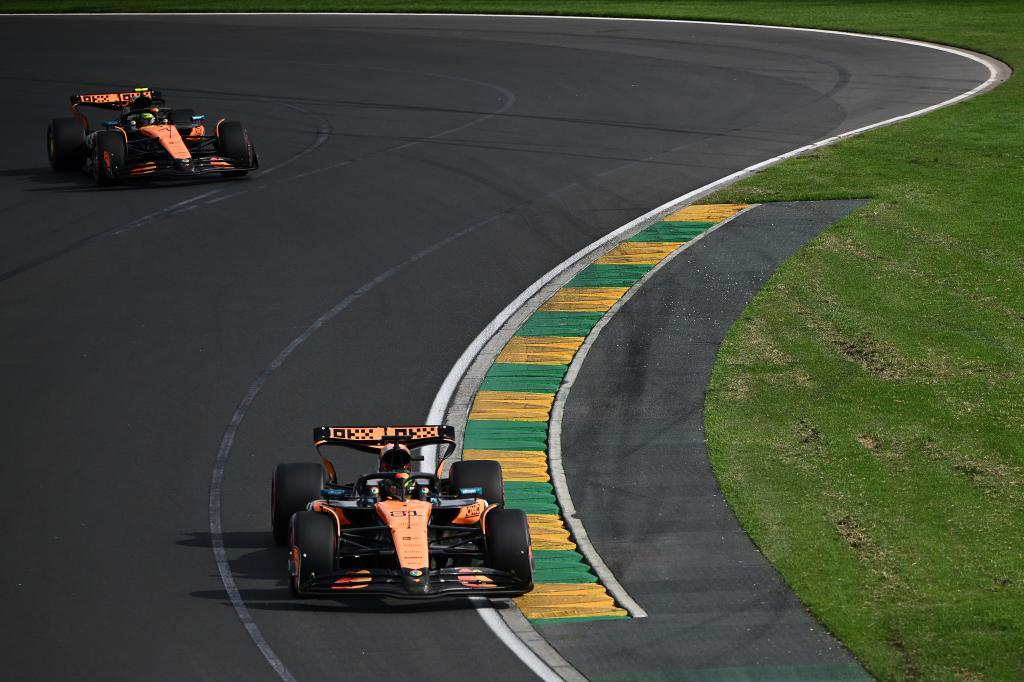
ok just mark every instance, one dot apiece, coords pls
pixel 493 434
pixel 609 276
pixel 560 566
pixel 532 498
pixel 526 378
pixel 670 231
pixel 559 324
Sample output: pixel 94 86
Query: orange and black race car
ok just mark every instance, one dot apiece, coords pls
pixel 146 140
pixel 397 532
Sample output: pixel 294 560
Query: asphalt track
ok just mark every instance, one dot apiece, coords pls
pixel 134 320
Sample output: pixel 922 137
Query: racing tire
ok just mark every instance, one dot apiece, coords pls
pixel 480 473
pixel 292 488
pixel 108 157
pixel 65 144
pixel 233 143
pixel 508 543
pixel 316 539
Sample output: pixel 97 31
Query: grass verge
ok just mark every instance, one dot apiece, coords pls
pixel 865 415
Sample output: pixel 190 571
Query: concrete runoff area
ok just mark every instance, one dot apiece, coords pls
pixel 636 462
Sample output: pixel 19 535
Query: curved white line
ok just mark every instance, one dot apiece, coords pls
pixel 523 648
pixel 448 387
pixel 228 439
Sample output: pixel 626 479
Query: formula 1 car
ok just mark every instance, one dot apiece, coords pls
pixel 395 532
pixel 146 140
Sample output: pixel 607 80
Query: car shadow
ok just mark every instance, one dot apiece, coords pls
pixel 281 599
pixel 43 175
pixel 77 181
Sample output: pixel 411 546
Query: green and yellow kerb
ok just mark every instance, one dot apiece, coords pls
pixel 508 421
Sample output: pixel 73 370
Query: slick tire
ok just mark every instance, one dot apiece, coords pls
pixel 108 157
pixel 314 536
pixel 233 143
pixel 508 543
pixel 481 473
pixel 291 489
pixel 65 144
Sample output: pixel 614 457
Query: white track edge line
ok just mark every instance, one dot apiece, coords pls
pixel 997 73
pixel 542 666
pixel 558 477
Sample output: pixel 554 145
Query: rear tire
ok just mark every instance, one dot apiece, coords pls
pixel 233 143
pixel 291 489
pixel 65 144
pixel 508 543
pixel 482 473
pixel 108 157
pixel 314 535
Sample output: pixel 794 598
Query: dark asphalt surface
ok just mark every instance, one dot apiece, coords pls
pixel 638 471
pixel 133 323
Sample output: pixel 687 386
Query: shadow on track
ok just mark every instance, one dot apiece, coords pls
pixel 280 599
pixel 43 175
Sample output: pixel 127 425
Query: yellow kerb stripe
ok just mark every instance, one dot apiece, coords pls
pixel 707 212
pixel 516 465
pixel 548 532
pixel 558 600
pixel 512 406
pixel 638 253
pixel 540 350
pixel 583 299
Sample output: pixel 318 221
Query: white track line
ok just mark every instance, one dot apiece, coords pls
pixel 997 73
pixel 521 646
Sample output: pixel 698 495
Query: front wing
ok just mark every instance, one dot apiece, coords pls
pixel 146 158
pixel 195 166
pixel 443 582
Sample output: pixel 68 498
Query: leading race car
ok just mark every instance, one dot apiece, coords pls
pixel 395 532
pixel 147 139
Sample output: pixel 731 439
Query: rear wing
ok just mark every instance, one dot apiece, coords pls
pixel 110 100
pixel 376 438
pixel 113 100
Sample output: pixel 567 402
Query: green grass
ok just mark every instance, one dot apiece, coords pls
pixel 865 415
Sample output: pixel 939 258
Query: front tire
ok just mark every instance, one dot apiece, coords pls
pixel 233 143
pixel 508 543
pixel 481 473
pixel 314 536
pixel 108 158
pixel 65 144
pixel 292 488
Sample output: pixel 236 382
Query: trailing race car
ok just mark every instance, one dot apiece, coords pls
pixel 396 532
pixel 146 140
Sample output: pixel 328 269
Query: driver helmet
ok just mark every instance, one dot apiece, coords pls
pixel 395 457
pixel 146 118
